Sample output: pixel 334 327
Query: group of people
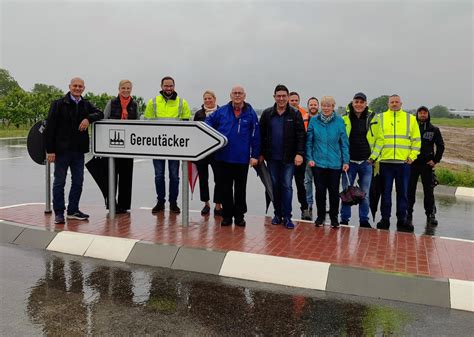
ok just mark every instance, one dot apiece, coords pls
pixel 314 147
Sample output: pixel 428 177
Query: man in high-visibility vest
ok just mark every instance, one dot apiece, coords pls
pixel 364 149
pixel 301 169
pixel 401 146
pixel 167 105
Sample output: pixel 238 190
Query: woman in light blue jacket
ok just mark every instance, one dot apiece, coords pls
pixel 327 151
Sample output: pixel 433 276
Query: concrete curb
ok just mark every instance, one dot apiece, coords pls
pixel 448 293
pixel 452 191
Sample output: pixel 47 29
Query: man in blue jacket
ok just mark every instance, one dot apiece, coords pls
pixel 237 121
pixel 283 143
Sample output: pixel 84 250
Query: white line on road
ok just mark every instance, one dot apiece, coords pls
pixel 20 146
pixel 456 239
pixel 11 158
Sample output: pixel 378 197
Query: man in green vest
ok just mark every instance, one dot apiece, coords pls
pixel 167 105
pixel 400 134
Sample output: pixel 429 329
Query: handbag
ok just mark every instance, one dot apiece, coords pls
pixel 351 195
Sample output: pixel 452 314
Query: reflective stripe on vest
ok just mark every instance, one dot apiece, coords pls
pixel 180 107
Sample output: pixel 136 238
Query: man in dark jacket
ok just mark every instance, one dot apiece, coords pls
pixel 67 140
pixel 283 141
pixel 424 165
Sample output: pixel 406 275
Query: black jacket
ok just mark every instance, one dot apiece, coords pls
pixel 116 109
pixel 293 133
pixel 62 132
pixel 430 135
pixel 200 115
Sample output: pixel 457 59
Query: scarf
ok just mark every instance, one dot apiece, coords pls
pixel 124 103
pixel 327 119
pixel 208 111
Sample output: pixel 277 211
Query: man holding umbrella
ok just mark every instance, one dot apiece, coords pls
pixel 283 141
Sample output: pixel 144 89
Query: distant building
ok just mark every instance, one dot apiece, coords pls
pixel 466 113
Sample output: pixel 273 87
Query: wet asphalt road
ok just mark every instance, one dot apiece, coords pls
pixel 22 181
pixel 54 294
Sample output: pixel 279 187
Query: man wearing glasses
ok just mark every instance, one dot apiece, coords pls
pixel 237 121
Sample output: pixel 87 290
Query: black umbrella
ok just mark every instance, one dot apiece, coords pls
pixel 375 193
pixel 264 174
pixel 98 167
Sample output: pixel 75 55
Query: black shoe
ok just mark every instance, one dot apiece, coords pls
pixel 226 222
pixel 217 212
pixel 59 219
pixel 365 224
pixel 383 224
pixel 159 207
pixel 121 211
pixel 344 222
pixel 78 215
pixel 205 210
pixel 431 220
pixel 174 208
pixel 319 222
pixel 404 226
pixel 334 223
pixel 240 222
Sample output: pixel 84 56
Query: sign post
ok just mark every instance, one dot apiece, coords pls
pixel 156 139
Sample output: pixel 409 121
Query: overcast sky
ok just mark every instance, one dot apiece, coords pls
pixel 422 50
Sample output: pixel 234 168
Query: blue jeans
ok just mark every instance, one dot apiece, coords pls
pixel 63 161
pixel 173 171
pixel 401 174
pixel 308 185
pixel 364 170
pixel 282 183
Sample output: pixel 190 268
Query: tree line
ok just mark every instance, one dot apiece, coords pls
pixel 20 107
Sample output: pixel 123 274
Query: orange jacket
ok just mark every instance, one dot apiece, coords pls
pixel 305 117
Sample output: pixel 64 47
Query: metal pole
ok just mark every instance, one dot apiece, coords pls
pixel 47 202
pixel 185 192
pixel 111 197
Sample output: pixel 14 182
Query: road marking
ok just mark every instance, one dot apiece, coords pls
pixel 140 160
pixel 19 205
pixel 11 158
pixel 456 239
pixel 20 146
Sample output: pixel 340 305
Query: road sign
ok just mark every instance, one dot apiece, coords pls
pixel 159 139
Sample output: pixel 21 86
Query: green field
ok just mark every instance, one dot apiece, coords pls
pixel 6 132
pixel 455 122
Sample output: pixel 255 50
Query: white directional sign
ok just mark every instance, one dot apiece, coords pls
pixel 160 139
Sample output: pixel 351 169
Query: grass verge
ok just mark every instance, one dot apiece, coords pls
pixel 454 122
pixel 455 175
pixel 12 131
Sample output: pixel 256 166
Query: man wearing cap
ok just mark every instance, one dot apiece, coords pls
pixel 361 128
pixel 424 165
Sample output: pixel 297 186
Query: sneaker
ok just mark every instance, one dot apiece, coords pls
pixel 276 220
pixel 226 222
pixel 121 211
pixel 59 219
pixel 404 226
pixel 319 222
pixel 365 224
pixel 334 223
pixel 289 224
pixel 78 216
pixel 344 222
pixel 240 222
pixel 305 215
pixel 159 207
pixel 217 212
pixel 174 208
pixel 383 224
pixel 205 210
pixel 431 220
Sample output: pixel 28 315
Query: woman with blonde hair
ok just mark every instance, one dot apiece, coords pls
pixel 123 107
pixel 209 106
pixel 327 152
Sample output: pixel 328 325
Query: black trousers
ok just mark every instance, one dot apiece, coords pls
pixel 123 178
pixel 327 180
pixel 203 172
pixel 233 181
pixel 300 188
pixel 426 173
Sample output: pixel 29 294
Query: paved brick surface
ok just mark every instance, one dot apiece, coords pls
pixel 368 248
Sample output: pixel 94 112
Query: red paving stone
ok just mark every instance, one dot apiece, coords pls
pixel 358 247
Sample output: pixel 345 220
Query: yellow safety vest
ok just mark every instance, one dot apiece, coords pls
pixel 401 136
pixel 159 107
